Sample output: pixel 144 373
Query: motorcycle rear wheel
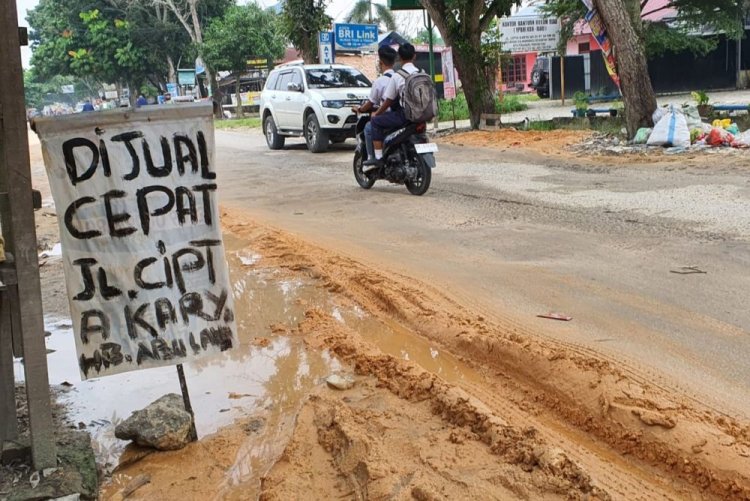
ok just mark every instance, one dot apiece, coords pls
pixel 363 179
pixel 420 185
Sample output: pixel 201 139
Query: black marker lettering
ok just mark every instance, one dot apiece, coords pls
pixel 100 327
pixel 143 207
pixel 178 268
pixel 126 138
pixel 88 279
pixel 138 274
pixel 165 312
pixel 113 219
pixel 166 168
pixel 206 189
pixel 182 195
pixel 70 214
pixel 182 158
pixel 70 159
pixel 205 167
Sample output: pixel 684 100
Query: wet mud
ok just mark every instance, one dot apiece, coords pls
pixel 447 402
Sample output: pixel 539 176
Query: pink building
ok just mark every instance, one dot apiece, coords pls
pixel 583 42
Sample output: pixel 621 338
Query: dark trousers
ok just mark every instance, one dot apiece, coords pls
pixel 387 122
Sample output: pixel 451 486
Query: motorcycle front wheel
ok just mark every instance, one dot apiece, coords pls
pixel 363 179
pixel 420 185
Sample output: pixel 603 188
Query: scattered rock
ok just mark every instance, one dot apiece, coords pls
pixel 340 382
pixel 652 418
pixel 163 425
pixel 254 425
pixel 135 484
pixel 237 396
pixel 698 448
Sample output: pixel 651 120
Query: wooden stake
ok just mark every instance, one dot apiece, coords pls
pixel 19 231
pixel 186 401
pixel 8 418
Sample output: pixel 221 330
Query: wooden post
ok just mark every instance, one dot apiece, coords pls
pixel 19 231
pixel 8 418
pixel 562 78
pixel 186 401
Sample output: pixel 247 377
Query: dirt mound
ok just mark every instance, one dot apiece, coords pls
pixel 547 142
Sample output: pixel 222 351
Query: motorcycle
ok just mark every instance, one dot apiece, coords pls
pixel 408 158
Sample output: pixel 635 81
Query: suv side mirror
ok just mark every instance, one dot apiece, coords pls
pixel 294 87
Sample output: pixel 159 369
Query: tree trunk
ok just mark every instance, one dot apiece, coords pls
pixel 240 114
pixel 478 83
pixel 477 77
pixel 172 76
pixel 632 67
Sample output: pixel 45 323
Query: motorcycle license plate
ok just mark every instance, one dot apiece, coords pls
pixel 426 148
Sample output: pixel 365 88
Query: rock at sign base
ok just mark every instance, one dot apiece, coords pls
pixel 339 382
pixel 163 425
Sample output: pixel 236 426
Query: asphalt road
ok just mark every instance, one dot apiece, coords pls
pixel 518 236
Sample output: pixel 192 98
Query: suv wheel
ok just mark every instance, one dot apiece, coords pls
pixel 536 78
pixel 273 138
pixel 317 140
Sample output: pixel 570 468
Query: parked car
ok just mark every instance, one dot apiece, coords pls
pixel 540 76
pixel 313 101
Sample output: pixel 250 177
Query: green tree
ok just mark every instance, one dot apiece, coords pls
pixel 194 16
pixel 462 24
pixel 244 32
pixel 423 37
pixel 105 41
pixel 301 21
pixel 635 38
pixel 362 13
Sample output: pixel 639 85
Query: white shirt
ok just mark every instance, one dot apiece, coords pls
pixel 378 88
pixel 397 83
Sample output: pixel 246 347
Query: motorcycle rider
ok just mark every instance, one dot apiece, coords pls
pixel 384 121
pixel 386 58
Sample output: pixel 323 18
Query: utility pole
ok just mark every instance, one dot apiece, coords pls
pixel 19 232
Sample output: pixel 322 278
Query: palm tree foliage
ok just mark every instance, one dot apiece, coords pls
pixel 362 13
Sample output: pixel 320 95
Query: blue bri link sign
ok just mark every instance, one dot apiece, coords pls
pixel 356 37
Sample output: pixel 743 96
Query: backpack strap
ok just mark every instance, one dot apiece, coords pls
pixel 404 73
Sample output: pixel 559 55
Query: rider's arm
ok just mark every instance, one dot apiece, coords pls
pixel 364 108
pixel 384 107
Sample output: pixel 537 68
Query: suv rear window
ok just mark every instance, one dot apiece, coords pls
pixel 271 82
pixel 325 78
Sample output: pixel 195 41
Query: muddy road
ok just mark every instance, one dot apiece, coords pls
pixel 517 234
pixel 430 305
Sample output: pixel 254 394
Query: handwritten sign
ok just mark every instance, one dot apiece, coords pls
pixel 144 261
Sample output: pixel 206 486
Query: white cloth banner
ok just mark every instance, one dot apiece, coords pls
pixel 147 278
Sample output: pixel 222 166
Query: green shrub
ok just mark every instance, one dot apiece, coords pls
pixel 511 103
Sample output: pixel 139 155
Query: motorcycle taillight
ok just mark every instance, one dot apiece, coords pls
pixel 421 127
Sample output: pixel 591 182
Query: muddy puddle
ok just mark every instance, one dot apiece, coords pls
pixel 268 377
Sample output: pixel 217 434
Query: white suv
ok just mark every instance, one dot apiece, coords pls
pixel 311 100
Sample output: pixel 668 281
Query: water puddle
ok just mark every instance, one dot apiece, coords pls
pixel 270 379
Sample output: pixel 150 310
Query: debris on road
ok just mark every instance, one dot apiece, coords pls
pixel 688 270
pixel 556 316
pixel 340 382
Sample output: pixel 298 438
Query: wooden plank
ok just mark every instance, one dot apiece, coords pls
pixel 8 418
pixel 19 231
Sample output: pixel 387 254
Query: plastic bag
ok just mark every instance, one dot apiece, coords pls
pixel 692 116
pixel 719 137
pixel 671 130
pixel 659 114
pixel 733 129
pixel 641 137
pixel 742 140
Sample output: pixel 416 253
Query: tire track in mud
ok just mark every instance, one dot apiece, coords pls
pixel 647 433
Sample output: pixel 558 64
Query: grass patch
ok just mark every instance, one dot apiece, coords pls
pixel 542 126
pixel 511 103
pixel 238 123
